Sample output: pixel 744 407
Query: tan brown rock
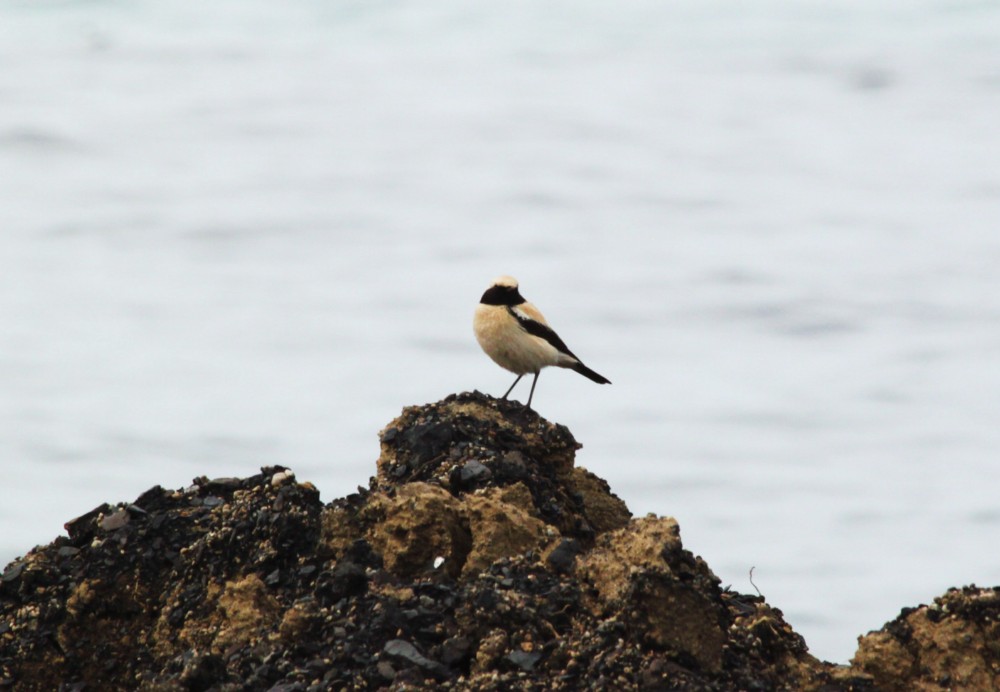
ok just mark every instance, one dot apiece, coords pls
pixel 421 523
pixel 424 522
pixel 952 644
pixel 246 610
pixel 643 570
pixel 499 529
pixel 490 649
pixel 603 509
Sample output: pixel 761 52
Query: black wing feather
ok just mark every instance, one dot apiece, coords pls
pixel 542 331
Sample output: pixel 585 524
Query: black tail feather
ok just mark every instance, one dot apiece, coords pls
pixel 587 372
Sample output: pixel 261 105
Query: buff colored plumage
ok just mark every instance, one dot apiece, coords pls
pixel 515 334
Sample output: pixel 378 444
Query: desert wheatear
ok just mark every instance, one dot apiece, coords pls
pixel 516 336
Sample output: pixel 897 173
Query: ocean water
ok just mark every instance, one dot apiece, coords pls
pixel 247 233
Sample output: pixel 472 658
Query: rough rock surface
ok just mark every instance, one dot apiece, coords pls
pixel 952 644
pixel 478 558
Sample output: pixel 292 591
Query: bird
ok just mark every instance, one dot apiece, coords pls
pixel 516 336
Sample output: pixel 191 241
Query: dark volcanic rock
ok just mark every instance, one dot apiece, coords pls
pixel 479 558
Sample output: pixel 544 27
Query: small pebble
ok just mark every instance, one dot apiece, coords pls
pixel 13 571
pixel 475 470
pixel 115 521
pixel 282 477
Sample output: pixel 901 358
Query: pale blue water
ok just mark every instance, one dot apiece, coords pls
pixel 245 233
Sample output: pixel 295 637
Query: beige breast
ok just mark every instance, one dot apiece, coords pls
pixel 508 344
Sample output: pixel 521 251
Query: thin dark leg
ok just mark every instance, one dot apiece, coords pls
pixel 514 385
pixel 533 382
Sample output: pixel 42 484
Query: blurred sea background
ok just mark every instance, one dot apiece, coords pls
pixel 246 233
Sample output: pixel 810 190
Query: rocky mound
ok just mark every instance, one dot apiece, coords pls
pixel 479 558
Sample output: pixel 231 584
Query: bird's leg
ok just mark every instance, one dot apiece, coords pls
pixel 512 386
pixel 533 382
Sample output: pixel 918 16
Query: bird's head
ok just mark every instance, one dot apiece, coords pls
pixel 503 291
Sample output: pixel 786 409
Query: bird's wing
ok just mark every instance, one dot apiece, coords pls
pixel 531 312
pixel 531 321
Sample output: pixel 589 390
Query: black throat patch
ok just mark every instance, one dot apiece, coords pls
pixel 502 295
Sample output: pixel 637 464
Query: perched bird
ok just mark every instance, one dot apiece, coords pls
pixel 516 336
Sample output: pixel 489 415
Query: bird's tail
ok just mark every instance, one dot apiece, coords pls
pixel 587 372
